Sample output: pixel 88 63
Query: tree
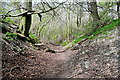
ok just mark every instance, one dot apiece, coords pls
pixel 92 7
pixel 79 14
pixel 118 9
pixel 28 18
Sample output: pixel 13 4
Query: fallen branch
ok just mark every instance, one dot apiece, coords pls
pixel 60 51
pixel 44 47
pixel 15 67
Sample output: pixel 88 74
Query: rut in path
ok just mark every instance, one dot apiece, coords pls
pixel 60 67
pixel 53 64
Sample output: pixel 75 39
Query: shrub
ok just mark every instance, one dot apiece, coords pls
pixel 32 36
pixel 10 36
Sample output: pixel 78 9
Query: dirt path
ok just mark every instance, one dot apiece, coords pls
pixel 46 64
pixel 94 59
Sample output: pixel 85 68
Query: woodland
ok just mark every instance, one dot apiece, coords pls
pixel 59 39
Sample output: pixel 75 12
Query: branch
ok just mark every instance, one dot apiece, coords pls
pixel 28 12
pixel 86 9
pixel 45 24
pixel 7 14
pixel 22 14
pixel 14 26
pixel 52 8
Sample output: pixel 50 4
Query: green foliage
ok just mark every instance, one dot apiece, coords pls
pixel 10 36
pixel 106 33
pixel 108 27
pixel 102 30
pixel 92 37
pixel 77 34
pixel 64 43
pixel 32 36
pixel 79 39
pixel 9 20
pixel 102 37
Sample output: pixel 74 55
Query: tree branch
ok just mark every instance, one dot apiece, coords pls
pixel 28 12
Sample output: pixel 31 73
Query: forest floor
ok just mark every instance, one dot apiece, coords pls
pixel 96 58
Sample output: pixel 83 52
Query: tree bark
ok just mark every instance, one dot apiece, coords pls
pixel 79 14
pixel 94 11
pixel 92 7
pixel 118 9
pixel 28 18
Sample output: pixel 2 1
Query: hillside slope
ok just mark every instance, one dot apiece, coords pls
pixel 96 58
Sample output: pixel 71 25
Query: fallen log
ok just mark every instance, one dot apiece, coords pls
pixel 42 46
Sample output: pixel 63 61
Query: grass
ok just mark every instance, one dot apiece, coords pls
pixel 34 38
pixel 64 43
pixel 114 24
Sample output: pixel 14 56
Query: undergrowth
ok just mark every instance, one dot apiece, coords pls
pixel 101 30
pixel 34 38
pixel 10 36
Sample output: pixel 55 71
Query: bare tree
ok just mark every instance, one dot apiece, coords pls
pixel 118 9
pixel 79 14
pixel 28 18
pixel 92 7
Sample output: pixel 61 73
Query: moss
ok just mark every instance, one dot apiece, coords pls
pixel 64 43
pixel 103 30
pixel 10 36
pixel 33 38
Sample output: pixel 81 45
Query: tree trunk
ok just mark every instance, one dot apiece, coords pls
pixel 92 6
pixel 79 14
pixel 68 21
pixel 118 9
pixel 28 18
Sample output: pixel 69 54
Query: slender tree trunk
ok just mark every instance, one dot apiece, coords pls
pixel 92 6
pixel 94 11
pixel 28 18
pixel 118 9
pixel 79 14
pixel 68 21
